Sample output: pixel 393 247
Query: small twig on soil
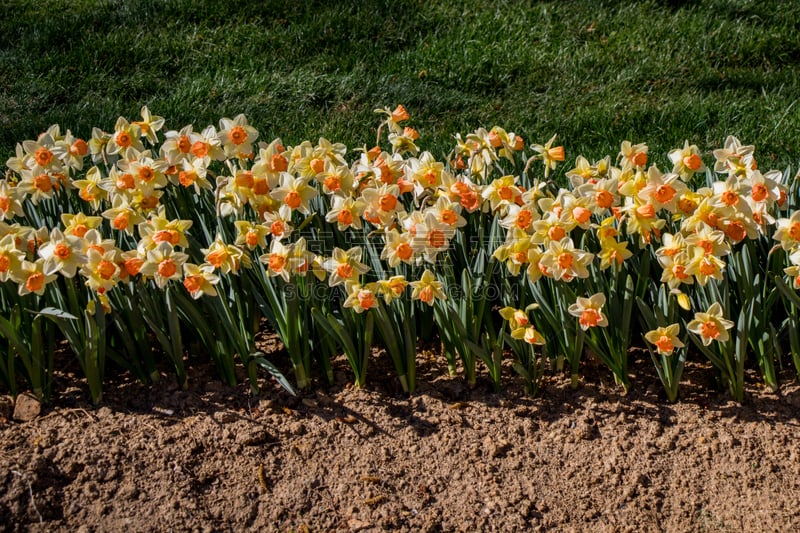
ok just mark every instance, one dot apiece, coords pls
pixel 30 491
pixel 65 412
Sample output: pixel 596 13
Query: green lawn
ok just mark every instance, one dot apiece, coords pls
pixel 655 72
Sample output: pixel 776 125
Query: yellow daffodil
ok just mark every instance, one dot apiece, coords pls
pixel 277 260
pixel 78 224
pixel 427 289
pixel 530 335
pixel 32 278
pixel 787 231
pixel 391 288
pixel 550 155
pixel 295 193
pixel 665 339
pixel 662 190
pixel 502 193
pixel 225 257
pixel 517 318
pixel 10 257
pixel 361 299
pixel 345 266
pixel 125 136
pixel 634 155
pixel 149 125
pixel 199 280
pixel 711 325
pixel 101 270
pixel 10 201
pixel 613 252
pixel 398 248
pixel 251 235
pixel 562 260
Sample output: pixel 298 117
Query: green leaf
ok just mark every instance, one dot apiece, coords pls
pixel 257 358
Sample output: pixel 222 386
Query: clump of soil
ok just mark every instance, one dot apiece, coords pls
pixel 447 459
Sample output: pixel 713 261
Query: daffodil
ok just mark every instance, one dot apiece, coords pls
pixel 277 260
pixel 225 257
pixel 517 318
pixel 79 223
pixel 589 311
pixel 237 136
pixel 177 145
pixel 634 155
pixel 32 278
pixel 521 217
pixel 551 227
pixel 686 161
pixel 301 260
pixel 394 117
pixel 164 264
pixel 398 248
pixel 382 204
pixel 662 190
pixel 361 299
pixel 530 335
pixel 427 289
pixel 37 186
pixel 711 325
pixel 432 237
pixel 279 222
pixel 199 280
pixel 734 158
pixel 39 156
pixel 346 212
pixel 10 257
pixel 337 180
pixel 345 267
pixel 251 235
pixel 391 288
pixel 613 252
pixel 403 144
pixel 551 155
pixel 711 240
pixel 71 151
pixel 149 125
pixel 562 260
pixel 603 194
pixel 10 201
pixel 514 253
pixel 192 174
pixel 295 193
pixel 159 229
pixel 101 270
pixel 426 171
pixel 90 189
pixel 502 193
pixel 704 266
pixel 62 253
pixel 787 231
pixel 675 269
pixel 125 136
pixel 665 339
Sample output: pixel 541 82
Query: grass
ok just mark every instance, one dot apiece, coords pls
pixel 596 73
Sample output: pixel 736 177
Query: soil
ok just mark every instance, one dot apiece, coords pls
pixel 449 458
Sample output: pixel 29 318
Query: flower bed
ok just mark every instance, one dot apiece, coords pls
pixel 348 252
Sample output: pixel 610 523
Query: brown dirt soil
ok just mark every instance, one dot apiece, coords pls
pixel 447 459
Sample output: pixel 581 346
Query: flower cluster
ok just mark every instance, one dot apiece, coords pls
pixel 150 205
